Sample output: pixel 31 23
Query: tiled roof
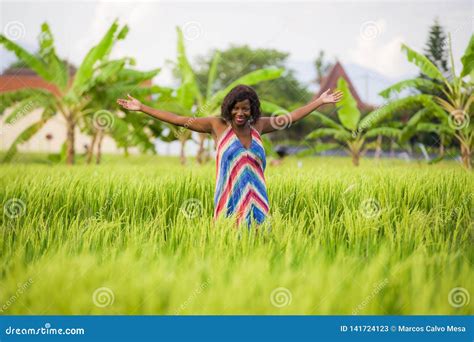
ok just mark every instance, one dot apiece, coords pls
pixel 330 81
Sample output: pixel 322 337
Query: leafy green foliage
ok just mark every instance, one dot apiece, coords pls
pixel 348 112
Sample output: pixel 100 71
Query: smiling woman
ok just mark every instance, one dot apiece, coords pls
pixel 240 161
pixel 240 165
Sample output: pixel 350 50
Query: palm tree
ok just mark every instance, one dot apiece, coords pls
pixel 352 132
pixel 455 111
pixel 71 97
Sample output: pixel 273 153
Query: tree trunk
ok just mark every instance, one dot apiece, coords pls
pixel 466 156
pixel 441 149
pixel 378 149
pixel 70 140
pixel 392 150
pixel 182 156
pixel 466 150
pixel 99 147
pixel 355 158
pixel 90 151
pixel 200 157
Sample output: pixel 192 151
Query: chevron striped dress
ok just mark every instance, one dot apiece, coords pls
pixel 240 183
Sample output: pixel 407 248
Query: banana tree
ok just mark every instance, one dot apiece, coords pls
pixel 417 124
pixel 70 98
pixel 352 132
pixel 456 110
pixel 189 100
pixel 102 116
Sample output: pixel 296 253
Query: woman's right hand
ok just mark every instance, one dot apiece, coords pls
pixel 130 104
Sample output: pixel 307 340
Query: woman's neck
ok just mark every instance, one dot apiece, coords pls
pixel 242 128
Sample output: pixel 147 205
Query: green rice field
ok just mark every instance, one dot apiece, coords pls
pixel 135 236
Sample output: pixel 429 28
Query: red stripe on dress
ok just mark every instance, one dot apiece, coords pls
pixel 234 172
pixel 256 134
pixel 219 145
pixel 245 204
pixel 255 195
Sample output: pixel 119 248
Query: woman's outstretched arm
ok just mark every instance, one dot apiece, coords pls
pixel 202 125
pixel 274 123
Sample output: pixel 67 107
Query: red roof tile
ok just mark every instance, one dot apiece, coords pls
pixel 330 81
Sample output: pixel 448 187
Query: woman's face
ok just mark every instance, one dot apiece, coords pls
pixel 241 112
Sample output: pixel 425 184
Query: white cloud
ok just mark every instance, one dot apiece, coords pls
pixel 387 59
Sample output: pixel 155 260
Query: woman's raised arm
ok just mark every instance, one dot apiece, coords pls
pixel 202 125
pixel 274 123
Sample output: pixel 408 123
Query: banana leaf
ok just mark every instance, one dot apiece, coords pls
pixel 348 113
pixel 413 83
pixel 422 62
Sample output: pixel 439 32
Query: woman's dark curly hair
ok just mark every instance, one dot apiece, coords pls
pixel 237 94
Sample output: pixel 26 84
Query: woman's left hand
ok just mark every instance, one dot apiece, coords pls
pixel 331 98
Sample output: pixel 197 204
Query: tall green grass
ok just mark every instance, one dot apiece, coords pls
pixel 136 237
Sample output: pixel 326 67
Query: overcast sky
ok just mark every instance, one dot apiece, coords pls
pixel 364 34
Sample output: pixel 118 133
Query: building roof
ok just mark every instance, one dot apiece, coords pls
pixel 330 81
pixel 18 77
pixel 25 70
pixel 15 78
